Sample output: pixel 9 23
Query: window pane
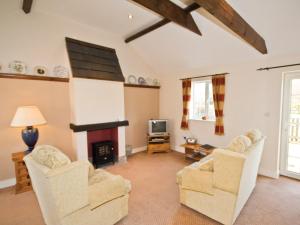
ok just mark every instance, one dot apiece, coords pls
pixel 211 108
pixel 293 159
pixel 202 103
pixel 199 100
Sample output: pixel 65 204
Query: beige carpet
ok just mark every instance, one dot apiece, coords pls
pixel 154 198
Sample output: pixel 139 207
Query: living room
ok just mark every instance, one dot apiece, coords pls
pixel 131 75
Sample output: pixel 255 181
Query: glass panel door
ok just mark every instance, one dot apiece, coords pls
pixel 290 148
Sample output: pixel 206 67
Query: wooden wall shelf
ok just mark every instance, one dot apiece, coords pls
pixel 32 77
pixel 141 86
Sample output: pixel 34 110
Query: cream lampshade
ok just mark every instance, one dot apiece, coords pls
pixel 28 116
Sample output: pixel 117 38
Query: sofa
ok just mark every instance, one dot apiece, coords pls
pixel 220 184
pixel 74 193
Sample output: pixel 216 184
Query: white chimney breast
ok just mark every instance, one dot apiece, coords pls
pixel 96 101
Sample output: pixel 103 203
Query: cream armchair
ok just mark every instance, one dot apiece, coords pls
pixel 219 185
pixel 73 193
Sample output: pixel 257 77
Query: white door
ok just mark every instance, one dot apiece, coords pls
pixel 290 140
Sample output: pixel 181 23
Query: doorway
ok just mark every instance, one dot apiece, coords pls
pixel 290 139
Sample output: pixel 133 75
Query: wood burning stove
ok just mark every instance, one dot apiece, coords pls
pixel 103 153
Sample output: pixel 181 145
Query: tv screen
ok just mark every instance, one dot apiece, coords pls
pixel 159 126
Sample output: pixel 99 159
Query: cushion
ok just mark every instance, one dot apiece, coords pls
pixel 228 169
pixel 254 135
pixel 49 156
pixel 104 187
pixel 197 180
pixel 239 144
pixel 99 176
pixel 197 165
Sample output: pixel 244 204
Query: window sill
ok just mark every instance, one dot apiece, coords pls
pixel 211 121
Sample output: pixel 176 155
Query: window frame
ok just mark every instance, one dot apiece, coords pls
pixel 207 96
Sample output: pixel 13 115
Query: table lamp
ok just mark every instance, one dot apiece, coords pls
pixel 28 116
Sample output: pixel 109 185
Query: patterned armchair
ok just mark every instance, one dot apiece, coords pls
pixel 219 185
pixel 73 193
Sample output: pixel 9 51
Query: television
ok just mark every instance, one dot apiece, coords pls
pixel 158 127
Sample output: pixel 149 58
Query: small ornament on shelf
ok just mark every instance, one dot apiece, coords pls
pixel 40 71
pixel 156 82
pixel 141 81
pixel 131 79
pixel 18 67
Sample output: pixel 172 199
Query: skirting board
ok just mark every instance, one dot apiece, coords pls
pixel 262 171
pixel 139 149
pixel 178 149
pixel 7 183
pixel 268 173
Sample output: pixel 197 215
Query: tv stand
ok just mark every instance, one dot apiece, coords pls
pixel 158 143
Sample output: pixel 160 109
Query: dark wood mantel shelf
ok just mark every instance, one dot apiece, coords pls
pixel 32 77
pixel 98 126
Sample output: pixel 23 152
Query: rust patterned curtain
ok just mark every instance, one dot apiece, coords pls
pixel 186 97
pixel 218 83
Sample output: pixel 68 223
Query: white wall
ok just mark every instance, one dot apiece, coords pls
pixel 253 100
pixel 96 101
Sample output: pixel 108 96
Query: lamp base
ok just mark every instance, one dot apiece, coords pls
pixel 30 136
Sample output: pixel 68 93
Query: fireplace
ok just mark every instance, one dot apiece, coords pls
pixel 103 153
pixel 103 146
pixel 97 100
pixel 87 135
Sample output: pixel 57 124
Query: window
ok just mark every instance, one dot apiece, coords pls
pixel 202 103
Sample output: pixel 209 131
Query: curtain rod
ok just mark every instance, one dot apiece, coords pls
pixel 203 76
pixel 276 67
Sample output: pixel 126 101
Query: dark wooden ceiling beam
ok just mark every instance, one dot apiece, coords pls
pixel 147 30
pixel 188 9
pixel 222 11
pixel 27 4
pixel 172 12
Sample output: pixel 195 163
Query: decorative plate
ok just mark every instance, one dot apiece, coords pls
pixel 40 70
pixel 141 80
pixel 131 79
pixel 17 67
pixel 155 82
pixel 149 81
pixel 60 71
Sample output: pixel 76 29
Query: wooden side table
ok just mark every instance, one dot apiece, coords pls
pixel 195 152
pixel 23 182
